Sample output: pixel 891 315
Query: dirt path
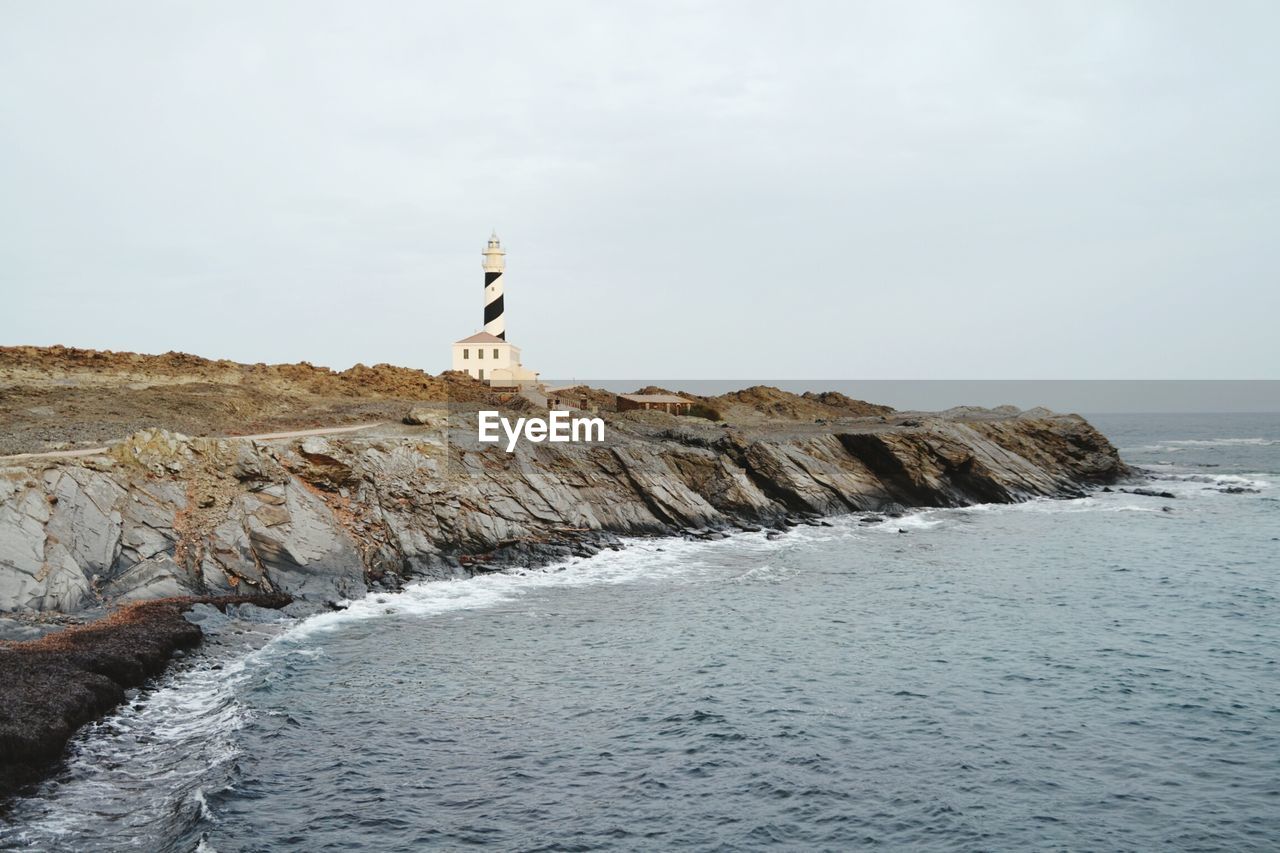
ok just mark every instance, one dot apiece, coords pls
pixel 265 436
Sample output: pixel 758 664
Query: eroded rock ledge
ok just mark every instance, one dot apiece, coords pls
pixel 326 518
pixel 57 683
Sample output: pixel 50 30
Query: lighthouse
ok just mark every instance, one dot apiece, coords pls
pixel 494 264
pixel 488 355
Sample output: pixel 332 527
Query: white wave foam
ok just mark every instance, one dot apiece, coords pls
pixel 1225 442
pixel 182 731
pixel 923 520
pixel 763 572
pixel 201 800
pixel 643 559
pixel 1099 502
pixel 1185 482
pixel 947 516
pixel 1081 505
pixel 1182 445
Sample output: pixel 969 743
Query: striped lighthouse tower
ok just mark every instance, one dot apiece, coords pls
pixel 494 264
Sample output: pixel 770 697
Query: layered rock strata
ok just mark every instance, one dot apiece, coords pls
pixel 327 518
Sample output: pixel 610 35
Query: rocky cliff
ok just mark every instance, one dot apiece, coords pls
pixel 326 518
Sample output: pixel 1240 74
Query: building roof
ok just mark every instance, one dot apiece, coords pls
pixel 654 398
pixel 481 338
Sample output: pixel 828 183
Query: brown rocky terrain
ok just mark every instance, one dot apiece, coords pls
pixel 59 398
pixel 764 403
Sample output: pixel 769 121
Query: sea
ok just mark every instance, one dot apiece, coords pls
pixel 1101 673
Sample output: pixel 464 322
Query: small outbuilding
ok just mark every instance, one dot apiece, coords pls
pixel 566 398
pixel 669 403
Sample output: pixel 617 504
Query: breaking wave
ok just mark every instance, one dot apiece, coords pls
pixel 1185 445
pixel 145 769
pixel 1184 483
pixel 150 768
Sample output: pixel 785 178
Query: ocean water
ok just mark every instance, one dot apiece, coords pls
pixel 1090 674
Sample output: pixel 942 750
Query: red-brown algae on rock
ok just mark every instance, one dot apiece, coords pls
pixel 53 685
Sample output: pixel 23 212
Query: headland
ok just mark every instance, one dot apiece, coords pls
pixel 176 479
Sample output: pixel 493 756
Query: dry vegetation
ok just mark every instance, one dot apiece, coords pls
pixel 61 398
pixel 56 398
pixel 764 402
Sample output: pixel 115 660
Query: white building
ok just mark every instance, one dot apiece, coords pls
pixel 489 357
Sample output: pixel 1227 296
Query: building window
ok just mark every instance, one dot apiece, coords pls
pixel 466 354
pixel 495 353
pixel 480 353
pixel 482 373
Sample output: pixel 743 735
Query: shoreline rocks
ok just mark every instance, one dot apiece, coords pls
pixel 327 519
pixel 1150 493
pixel 57 683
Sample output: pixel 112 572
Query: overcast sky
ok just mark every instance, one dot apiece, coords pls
pixel 685 190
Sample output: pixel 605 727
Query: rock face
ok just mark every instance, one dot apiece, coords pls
pixel 325 518
pixel 60 681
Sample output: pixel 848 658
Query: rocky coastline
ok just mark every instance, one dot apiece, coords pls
pixel 128 539
pixel 327 518
pixel 57 683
